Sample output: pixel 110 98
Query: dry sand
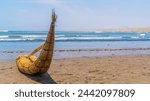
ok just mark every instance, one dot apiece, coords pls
pixel 98 70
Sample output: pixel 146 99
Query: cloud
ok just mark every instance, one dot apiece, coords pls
pixel 51 2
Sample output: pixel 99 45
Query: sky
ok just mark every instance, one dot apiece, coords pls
pixel 73 15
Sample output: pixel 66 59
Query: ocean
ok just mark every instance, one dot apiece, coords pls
pixel 69 40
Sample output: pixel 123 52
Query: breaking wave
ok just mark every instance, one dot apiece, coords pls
pixel 76 36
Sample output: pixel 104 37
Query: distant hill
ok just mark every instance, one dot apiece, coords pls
pixel 140 29
pixel 144 29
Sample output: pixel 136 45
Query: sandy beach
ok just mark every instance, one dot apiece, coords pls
pixel 84 70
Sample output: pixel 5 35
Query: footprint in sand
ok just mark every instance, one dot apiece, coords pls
pixel 56 71
pixel 11 68
pixel 3 69
pixel 6 68
pixel 67 74
pixel 93 71
pixel 61 65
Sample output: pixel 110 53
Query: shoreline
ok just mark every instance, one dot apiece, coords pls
pixel 101 49
pixel 81 53
pixel 86 70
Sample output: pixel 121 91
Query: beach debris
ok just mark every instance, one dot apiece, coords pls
pixel 30 64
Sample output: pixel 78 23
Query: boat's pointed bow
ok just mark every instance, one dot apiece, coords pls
pixel 44 60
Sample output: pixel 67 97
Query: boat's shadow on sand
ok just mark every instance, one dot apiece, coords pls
pixel 42 78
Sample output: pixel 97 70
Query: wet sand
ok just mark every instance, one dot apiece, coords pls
pixel 78 53
pixel 85 70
